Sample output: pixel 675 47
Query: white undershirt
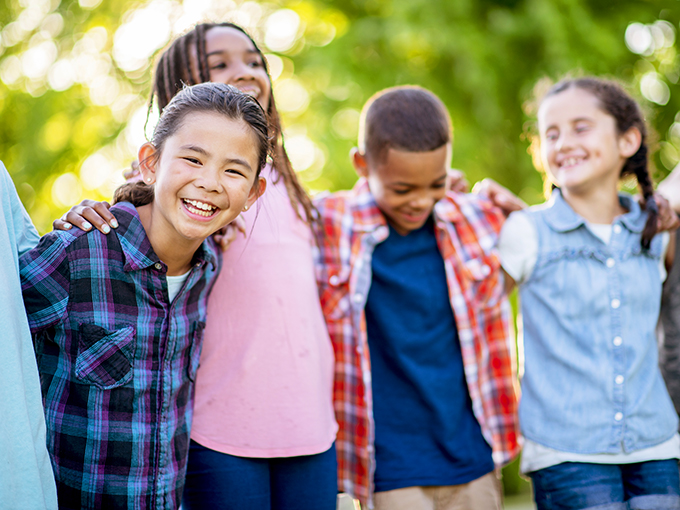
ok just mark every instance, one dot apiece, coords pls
pixel 175 284
pixel 518 247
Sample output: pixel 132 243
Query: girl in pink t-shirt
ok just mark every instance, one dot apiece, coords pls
pixel 264 430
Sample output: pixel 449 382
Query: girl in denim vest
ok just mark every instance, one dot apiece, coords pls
pixel 600 428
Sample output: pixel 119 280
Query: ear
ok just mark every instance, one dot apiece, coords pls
pixel 256 192
pixel 629 142
pixel 148 162
pixel 359 162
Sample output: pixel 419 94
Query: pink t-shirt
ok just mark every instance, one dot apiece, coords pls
pixel 264 385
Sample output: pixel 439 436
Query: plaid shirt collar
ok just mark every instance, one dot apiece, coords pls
pixel 137 248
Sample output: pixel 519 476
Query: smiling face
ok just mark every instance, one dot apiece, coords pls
pixel 234 60
pixel 205 175
pixel 406 185
pixel 580 146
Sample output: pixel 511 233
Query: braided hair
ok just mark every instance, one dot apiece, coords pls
pixel 174 70
pixel 627 114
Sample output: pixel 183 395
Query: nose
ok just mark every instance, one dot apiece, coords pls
pixel 242 72
pixel 422 202
pixel 563 142
pixel 209 179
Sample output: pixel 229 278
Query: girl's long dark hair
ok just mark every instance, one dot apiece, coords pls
pixel 205 97
pixel 626 112
pixel 174 70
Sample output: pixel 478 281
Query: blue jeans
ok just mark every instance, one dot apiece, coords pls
pixel 653 485
pixel 218 480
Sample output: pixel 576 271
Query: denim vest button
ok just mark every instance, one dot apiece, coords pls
pixel 618 341
pixel 618 416
pixel 617 229
pixel 610 262
pixel 616 303
pixel 619 379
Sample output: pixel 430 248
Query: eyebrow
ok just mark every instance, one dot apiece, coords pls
pixel 219 52
pixel 228 161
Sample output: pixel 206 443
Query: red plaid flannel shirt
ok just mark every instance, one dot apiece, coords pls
pixel 467 229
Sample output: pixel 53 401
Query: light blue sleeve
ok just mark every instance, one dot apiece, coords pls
pixel 19 223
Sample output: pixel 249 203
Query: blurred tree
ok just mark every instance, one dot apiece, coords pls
pixel 75 72
pixel 75 75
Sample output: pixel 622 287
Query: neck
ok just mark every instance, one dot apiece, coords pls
pixel 174 251
pixel 598 205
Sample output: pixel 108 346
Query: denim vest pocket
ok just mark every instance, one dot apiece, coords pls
pixel 105 357
pixel 195 350
pixel 335 293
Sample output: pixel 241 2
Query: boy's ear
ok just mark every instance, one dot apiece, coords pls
pixel 359 162
pixel 256 191
pixel 629 142
pixel 148 159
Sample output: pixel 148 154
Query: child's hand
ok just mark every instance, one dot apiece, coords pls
pixel 457 181
pixel 670 188
pixel 668 219
pixel 226 235
pixel 501 197
pixel 86 214
pixel 132 174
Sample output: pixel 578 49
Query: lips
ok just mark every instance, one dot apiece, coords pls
pixel 200 208
pixel 417 217
pixel 570 162
pixel 253 92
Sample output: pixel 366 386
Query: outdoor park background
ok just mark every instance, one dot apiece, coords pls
pixel 75 76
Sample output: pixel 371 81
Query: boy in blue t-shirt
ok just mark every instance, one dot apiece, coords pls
pixel 410 284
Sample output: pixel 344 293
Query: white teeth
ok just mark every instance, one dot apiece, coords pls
pixel 571 161
pixel 200 208
pixel 251 92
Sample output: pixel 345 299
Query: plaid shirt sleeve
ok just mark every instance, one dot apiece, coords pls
pixel 45 281
pixel 484 319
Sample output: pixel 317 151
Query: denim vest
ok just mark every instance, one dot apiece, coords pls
pixel 592 381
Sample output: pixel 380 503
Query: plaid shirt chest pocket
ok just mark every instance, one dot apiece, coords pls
pixel 105 357
pixel 335 293
pixel 482 280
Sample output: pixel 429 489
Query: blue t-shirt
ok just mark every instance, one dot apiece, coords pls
pixel 425 431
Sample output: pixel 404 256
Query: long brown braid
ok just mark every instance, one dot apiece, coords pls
pixel 626 112
pixel 174 70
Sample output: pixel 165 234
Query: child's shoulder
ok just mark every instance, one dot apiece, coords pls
pixel 335 203
pixel 470 207
pixel 77 239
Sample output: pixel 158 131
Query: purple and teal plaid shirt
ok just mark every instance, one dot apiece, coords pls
pixel 117 362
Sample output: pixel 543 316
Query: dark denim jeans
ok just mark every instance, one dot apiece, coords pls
pixel 653 485
pixel 218 480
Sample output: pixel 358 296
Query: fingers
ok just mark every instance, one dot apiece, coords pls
pixel 667 219
pixel 227 235
pixel 240 224
pixel 501 197
pixel 132 173
pixel 86 215
pixel 457 181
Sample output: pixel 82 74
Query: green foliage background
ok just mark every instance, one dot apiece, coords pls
pixel 482 57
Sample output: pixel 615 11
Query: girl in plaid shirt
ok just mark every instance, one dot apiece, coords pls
pixel 118 320
pixel 264 429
